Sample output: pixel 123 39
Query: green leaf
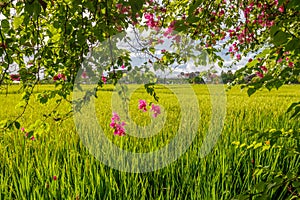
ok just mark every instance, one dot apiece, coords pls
pixel 297 111
pixel 152 50
pixel 264 53
pixel 252 63
pixel 136 6
pixel 5 24
pixel 251 91
pixel 280 38
pixel 296 184
pixel 258 145
pixel 30 134
pixel 17 125
pixel 293 44
pixel 6 124
pixel 274 30
pixel 292 106
pixel 18 20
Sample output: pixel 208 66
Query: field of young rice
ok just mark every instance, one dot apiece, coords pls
pixel 56 164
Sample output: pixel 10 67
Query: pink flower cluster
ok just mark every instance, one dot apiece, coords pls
pixel 259 74
pixel 123 9
pixel 15 77
pixel 117 125
pixel 170 29
pixel 289 63
pixel 59 76
pixel 154 108
pixel 151 22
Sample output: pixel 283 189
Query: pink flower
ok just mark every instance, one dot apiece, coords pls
pixel 221 13
pixel 160 41
pixel 142 105
pixel 104 79
pixel 238 56
pixel 259 74
pixel 270 23
pixel 170 28
pixel 259 5
pixel 264 68
pixel 22 129
pixel 119 28
pixel 279 60
pixel 123 66
pixel 163 51
pixel 112 124
pixel 32 138
pixel 84 75
pixel 54 178
pixel 55 78
pixel 115 117
pixel 15 77
pixel 281 9
pixel 117 125
pixel 247 11
pixel 168 31
pixel 291 64
pixel 119 6
pixel 177 38
pixel 155 109
pixel 119 129
pixel 61 76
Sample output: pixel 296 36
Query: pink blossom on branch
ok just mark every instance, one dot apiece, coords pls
pixel 84 75
pixel 291 64
pixel 264 68
pixel 59 76
pixel 104 79
pixel 259 74
pixel 160 41
pixel 142 105
pixel 281 9
pixel 279 60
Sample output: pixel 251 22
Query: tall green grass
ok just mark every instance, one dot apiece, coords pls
pixel 27 167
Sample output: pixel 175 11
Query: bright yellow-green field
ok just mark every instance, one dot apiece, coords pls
pixel 28 167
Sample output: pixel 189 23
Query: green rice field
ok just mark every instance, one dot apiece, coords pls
pixel 57 165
